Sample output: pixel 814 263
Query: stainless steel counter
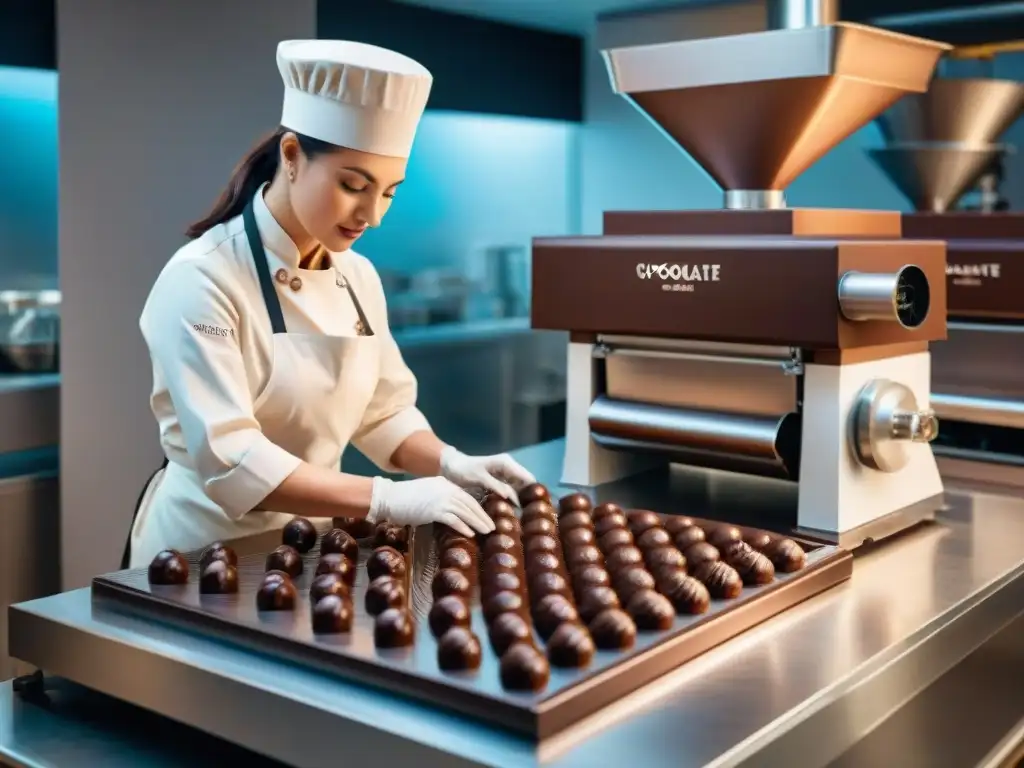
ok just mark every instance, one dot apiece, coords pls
pixel 801 689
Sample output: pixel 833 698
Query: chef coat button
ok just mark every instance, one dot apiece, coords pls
pixel 295 284
pixel 281 276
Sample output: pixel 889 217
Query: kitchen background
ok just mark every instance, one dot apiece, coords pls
pixel 524 138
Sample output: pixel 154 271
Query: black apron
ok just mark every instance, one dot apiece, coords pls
pixel 273 305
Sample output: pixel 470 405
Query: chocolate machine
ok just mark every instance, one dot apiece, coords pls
pixel 786 344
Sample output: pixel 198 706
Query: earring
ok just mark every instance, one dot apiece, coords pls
pixel 291 173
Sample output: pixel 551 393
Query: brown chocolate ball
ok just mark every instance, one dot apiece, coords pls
pixel 686 593
pixel 700 553
pixel 276 594
pixel 724 535
pixel 450 538
pixel 612 522
pixel 386 561
pixel 495 507
pixel 382 593
pixel 218 578
pixel 500 581
pixel 502 602
pixel 720 578
pixel 570 646
pixel 539 509
pixel 169 567
pixel 524 668
pixel 332 615
pixel 687 537
pixel 218 551
pixel 676 524
pixel 653 538
pixel 299 534
pixel 394 536
pixel 458 650
pixel 623 559
pixel 664 560
pixel 357 527
pixel 613 630
pixel 537 544
pixel 447 612
pixel 286 559
pixel 754 568
pixel 457 558
pixel 605 509
pixel 786 555
pixel 508 526
pixel 574 502
pixel 640 520
pixel 339 564
pixel 547 583
pixel 595 600
pixel 539 526
pixel 573 520
pixel 759 540
pixel 339 542
pixel 544 561
pixel 502 561
pixel 550 611
pixel 632 580
pixel 451 582
pixel 497 543
pixel 394 629
pixel 508 629
pixel 588 576
pixel 276 575
pixel 615 538
pixel 577 557
pixel 651 612
pixel 327 584
pixel 578 537
pixel 533 492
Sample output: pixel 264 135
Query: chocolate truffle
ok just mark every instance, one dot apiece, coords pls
pixel 687 537
pixel 700 553
pixel 595 600
pixel 550 611
pixel 276 575
pixel 502 602
pixel 332 614
pixel 299 534
pixel 337 541
pixel 507 525
pixel 574 502
pixel 758 539
pixel 539 526
pixel 686 594
pixel 524 668
pixel 168 567
pixel 588 576
pixel 218 578
pixel 327 584
pixel 394 629
pixel 653 538
pixel 613 630
pixel 500 581
pixel 498 542
pixel 357 527
pixel 382 593
pixel 276 594
pixel 651 612
pixel 723 535
pixel 612 522
pixel 574 520
pixel 452 538
pixel 721 580
pixel 538 544
pixel 570 646
pixel 664 560
pixel 578 537
pixel 502 561
pixel 547 583
pixel 451 582
pixel 495 506
pixel 577 557
pixel 675 524
pixel 447 612
pixel 458 650
pixel 633 580
pixel 640 520
pixel 605 509
pixel 386 561
pixel 339 564
pixel 218 551
pixel 507 630
pixel 533 492
pixel 394 536
pixel 457 558
pixel 543 561
pixel 286 559
pixel 786 555
pixel 539 509
pixel 615 538
pixel 623 559
pixel 753 567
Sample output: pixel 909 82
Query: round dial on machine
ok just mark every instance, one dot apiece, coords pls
pixel 886 420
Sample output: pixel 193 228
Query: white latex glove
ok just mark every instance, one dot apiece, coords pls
pixel 427 500
pixel 499 474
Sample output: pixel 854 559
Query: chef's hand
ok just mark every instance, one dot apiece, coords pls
pixel 427 500
pixel 499 474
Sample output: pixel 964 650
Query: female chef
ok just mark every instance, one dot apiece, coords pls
pixel 269 336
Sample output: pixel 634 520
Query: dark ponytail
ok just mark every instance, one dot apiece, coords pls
pixel 258 167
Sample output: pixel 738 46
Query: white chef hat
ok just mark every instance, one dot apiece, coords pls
pixel 352 95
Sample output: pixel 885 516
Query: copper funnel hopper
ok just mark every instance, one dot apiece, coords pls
pixel 756 110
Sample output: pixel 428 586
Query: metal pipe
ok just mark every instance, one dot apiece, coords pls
pixel 991 411
pixel 903 296
pixel 754 199
pixel 798 14
pixel 752 445
pixel 989 12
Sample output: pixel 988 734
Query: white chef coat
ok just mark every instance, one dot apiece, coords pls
pixel 213 353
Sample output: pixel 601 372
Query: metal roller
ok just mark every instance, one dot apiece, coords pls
pixel 753 445
pixel 973 409
pixel 902 297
